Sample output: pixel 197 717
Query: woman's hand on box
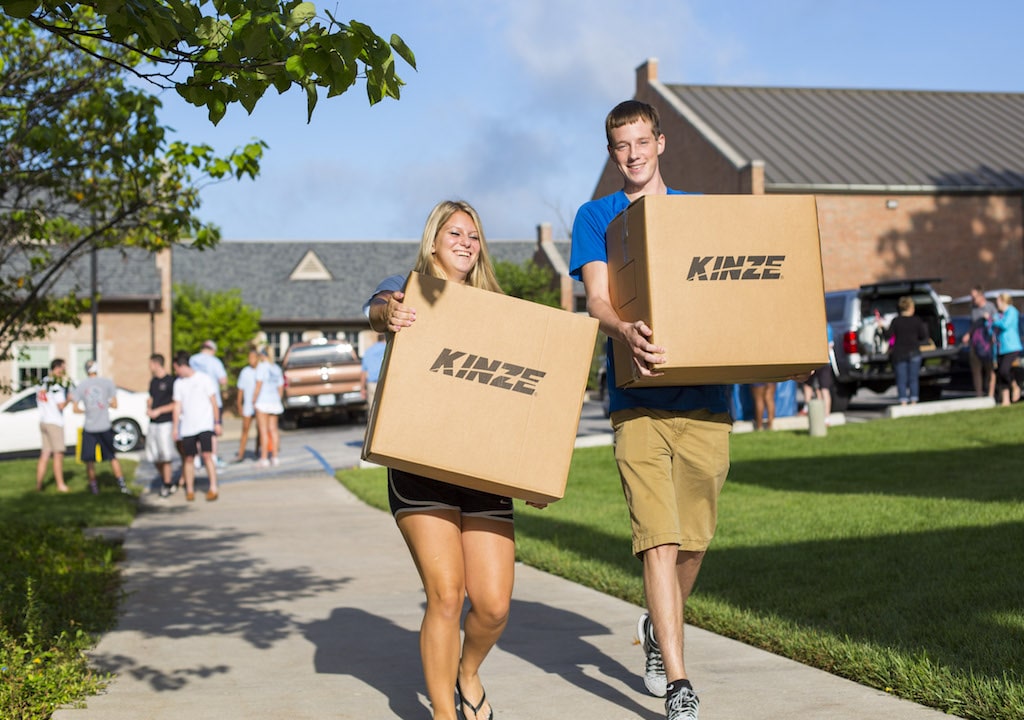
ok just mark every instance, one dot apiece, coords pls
pixel 646 355
pixel 388 308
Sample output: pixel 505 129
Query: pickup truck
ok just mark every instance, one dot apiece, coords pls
pixel 321 377
pixel 861 354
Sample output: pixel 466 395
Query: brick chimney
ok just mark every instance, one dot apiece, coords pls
pixel 645 74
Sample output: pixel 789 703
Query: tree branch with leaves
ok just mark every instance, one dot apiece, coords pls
pixel 232 54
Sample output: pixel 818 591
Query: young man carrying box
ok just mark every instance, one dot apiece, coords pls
pixel 671 443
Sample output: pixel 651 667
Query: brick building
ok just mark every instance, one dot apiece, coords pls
pixel 908 183
pixel 133 320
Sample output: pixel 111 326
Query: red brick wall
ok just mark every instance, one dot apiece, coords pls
pixel 965 240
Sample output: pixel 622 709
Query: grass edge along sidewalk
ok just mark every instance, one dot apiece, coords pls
pixel 59 586
pixel 888 552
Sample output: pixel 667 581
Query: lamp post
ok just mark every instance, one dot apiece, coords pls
pixel 94 301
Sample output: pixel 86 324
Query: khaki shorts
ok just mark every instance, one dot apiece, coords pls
pixel 673 465
pixel 53 438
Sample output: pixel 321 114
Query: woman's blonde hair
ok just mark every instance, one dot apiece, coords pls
pixel 482 275
pixel 905 304
pixel 1006 299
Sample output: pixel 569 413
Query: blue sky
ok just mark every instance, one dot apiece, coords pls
pixel 507 106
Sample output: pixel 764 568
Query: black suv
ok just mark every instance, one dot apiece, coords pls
pixel 861 358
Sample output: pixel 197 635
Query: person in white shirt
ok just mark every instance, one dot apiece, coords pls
pixel 268 406
pixel 196 419
pixel 244 405
pixel 206 361
pixel 51 400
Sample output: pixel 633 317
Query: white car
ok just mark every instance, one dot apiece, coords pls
pixel 19 422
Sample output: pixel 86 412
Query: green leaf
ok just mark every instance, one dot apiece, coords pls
pixel 403 50
pixel 301 14
pixel 296 68
pixel 20 8
pixel 311 99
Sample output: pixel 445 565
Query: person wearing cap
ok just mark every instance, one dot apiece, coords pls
pixel 207 362
pixel 95 396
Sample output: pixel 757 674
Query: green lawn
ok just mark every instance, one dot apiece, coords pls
pixel 889 552
pixel 58 589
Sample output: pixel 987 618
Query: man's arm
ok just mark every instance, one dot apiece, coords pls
pixel 634 335
pixel 216 414
pixel 175 416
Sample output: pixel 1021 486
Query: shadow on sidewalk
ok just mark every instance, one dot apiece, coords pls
pixel 385 656
pixel 199 581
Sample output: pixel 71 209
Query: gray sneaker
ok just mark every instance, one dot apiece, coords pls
pixel 654 667
pixel 682 704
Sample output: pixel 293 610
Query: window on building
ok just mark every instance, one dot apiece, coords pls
pixel 274 342
pixel 33 363
pixel 76 369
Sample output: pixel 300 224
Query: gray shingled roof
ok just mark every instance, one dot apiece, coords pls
pixel 121 275
pixel 820 139
pixel 261 271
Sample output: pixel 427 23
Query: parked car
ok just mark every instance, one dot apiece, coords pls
pixel 19 423
pixel 321 377
pixel 861 351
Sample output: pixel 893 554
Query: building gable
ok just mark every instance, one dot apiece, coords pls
pixel 311 267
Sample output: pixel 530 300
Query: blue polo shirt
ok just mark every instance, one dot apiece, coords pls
pixel 588 245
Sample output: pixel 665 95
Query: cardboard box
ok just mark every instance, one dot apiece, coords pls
pixel 484 391
pixel 731 285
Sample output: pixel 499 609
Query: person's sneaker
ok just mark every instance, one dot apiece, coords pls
pixel 682 703
pixel 166 490
pixel 654 667
pixel 124 486
pixel 94 488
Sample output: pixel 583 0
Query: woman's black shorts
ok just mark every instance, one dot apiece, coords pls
pixel 414 493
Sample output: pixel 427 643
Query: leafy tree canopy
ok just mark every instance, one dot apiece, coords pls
pixel 226 51
pixel 85 163
pixel 528 281
pixel 219 316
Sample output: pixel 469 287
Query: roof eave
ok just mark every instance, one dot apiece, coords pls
pixel 879 189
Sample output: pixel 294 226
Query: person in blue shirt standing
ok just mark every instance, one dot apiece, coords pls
pixel 373 358
pixel 671 443
pixel 1006 328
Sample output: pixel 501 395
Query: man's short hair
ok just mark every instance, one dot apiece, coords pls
pixel 628 112
pixel 181 358
pixel 56 363
pixel 157 358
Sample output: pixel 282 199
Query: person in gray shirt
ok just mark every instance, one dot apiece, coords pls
pixel 978 339
pixel 94 396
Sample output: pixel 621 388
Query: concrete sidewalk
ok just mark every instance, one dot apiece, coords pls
pixel 288 598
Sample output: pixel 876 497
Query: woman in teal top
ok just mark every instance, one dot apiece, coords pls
pixel 1006 329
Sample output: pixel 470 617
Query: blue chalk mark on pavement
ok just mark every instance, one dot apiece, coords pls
pixel 320 459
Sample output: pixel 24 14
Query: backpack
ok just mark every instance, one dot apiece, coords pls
pixel 981 343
